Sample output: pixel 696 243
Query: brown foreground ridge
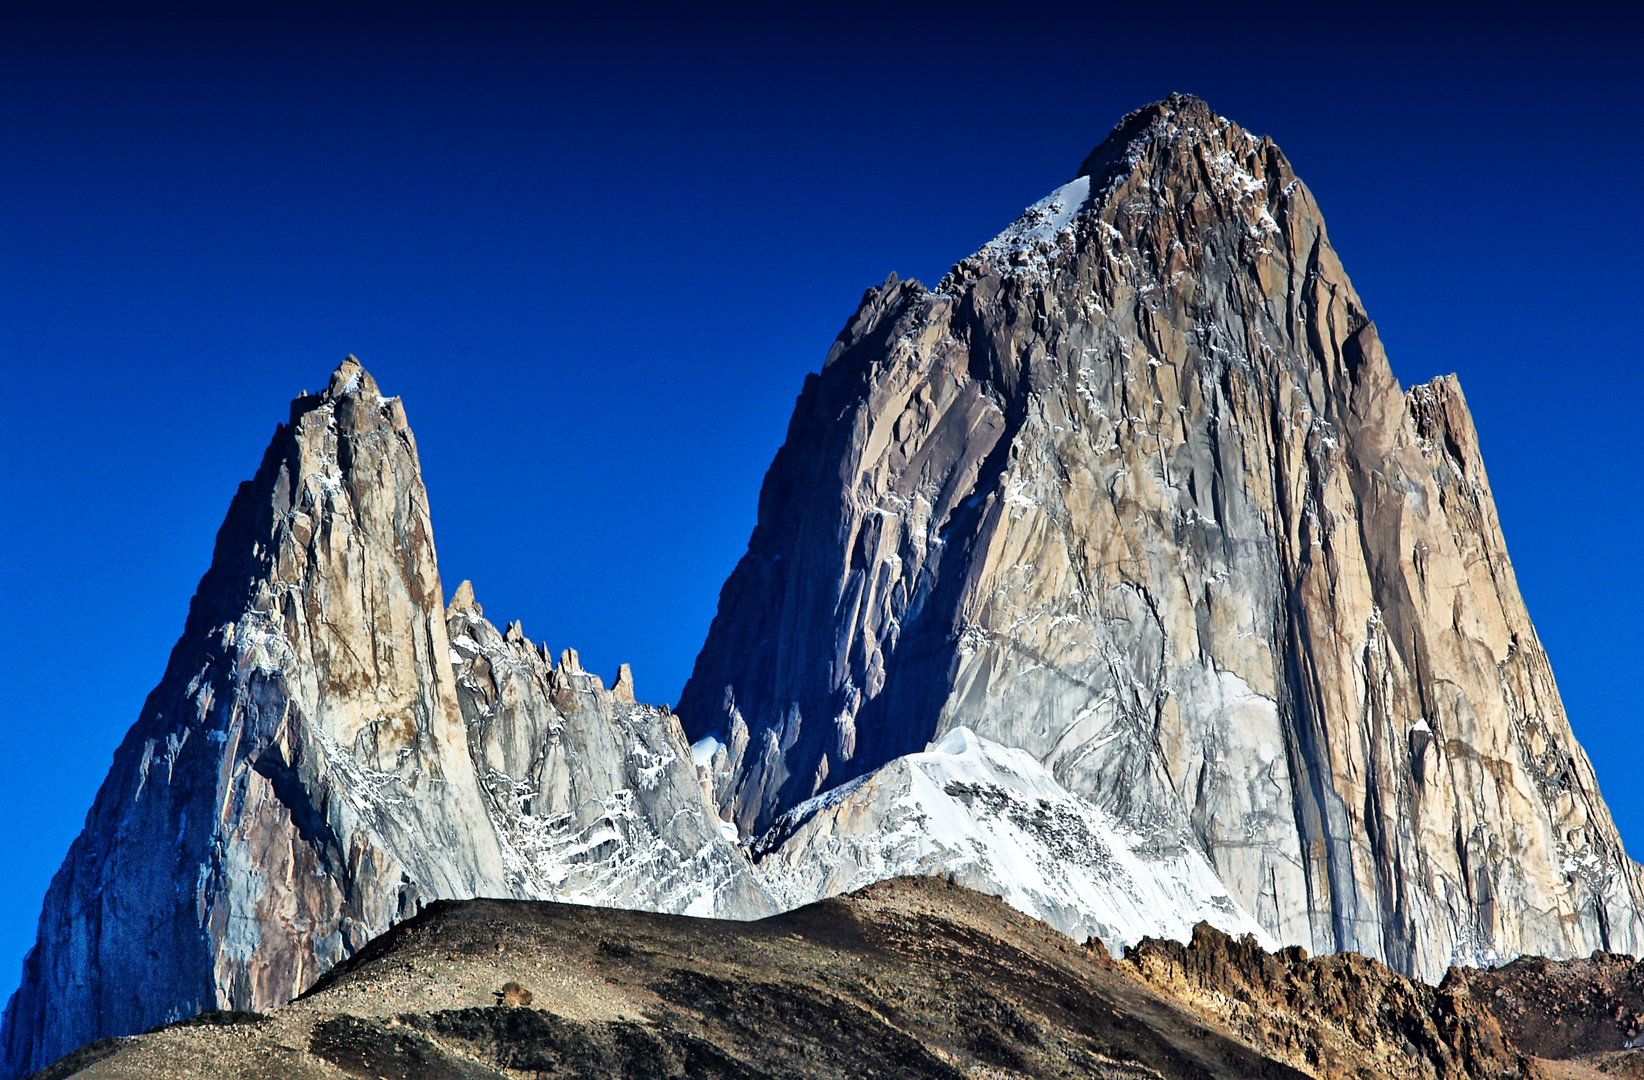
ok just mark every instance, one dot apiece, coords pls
pixel 914 977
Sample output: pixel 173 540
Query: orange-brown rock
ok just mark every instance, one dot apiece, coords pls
pixel 1342 1015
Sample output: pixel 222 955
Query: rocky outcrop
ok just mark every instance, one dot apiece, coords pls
pixel 1133 489
pixel 594 798
pixel 1337 1016
pixel 1589 1007
pixel 321 759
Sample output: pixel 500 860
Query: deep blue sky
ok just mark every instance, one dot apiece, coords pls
pixel 597 257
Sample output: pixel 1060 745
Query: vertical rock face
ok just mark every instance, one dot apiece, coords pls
pixel 298 780
pixel 1133 489
pixel 320 760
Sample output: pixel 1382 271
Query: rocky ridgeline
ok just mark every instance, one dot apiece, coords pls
pixel 1584 1007
pixel 914 977
pixel 1133 489
pixel 1346 1015
pixel 1338 1016
pixel 593 796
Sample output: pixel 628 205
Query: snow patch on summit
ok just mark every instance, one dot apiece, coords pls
pixel 1030 240
pixel 994 820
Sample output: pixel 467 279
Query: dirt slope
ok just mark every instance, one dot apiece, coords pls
pixel 909 978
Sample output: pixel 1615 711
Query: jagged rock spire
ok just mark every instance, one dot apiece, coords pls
pixel 300 777
pixel 331 747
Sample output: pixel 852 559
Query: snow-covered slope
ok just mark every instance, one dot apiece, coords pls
pixel 996 821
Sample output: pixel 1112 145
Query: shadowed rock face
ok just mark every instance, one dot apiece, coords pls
pixel 1134 489
pixel 319 761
